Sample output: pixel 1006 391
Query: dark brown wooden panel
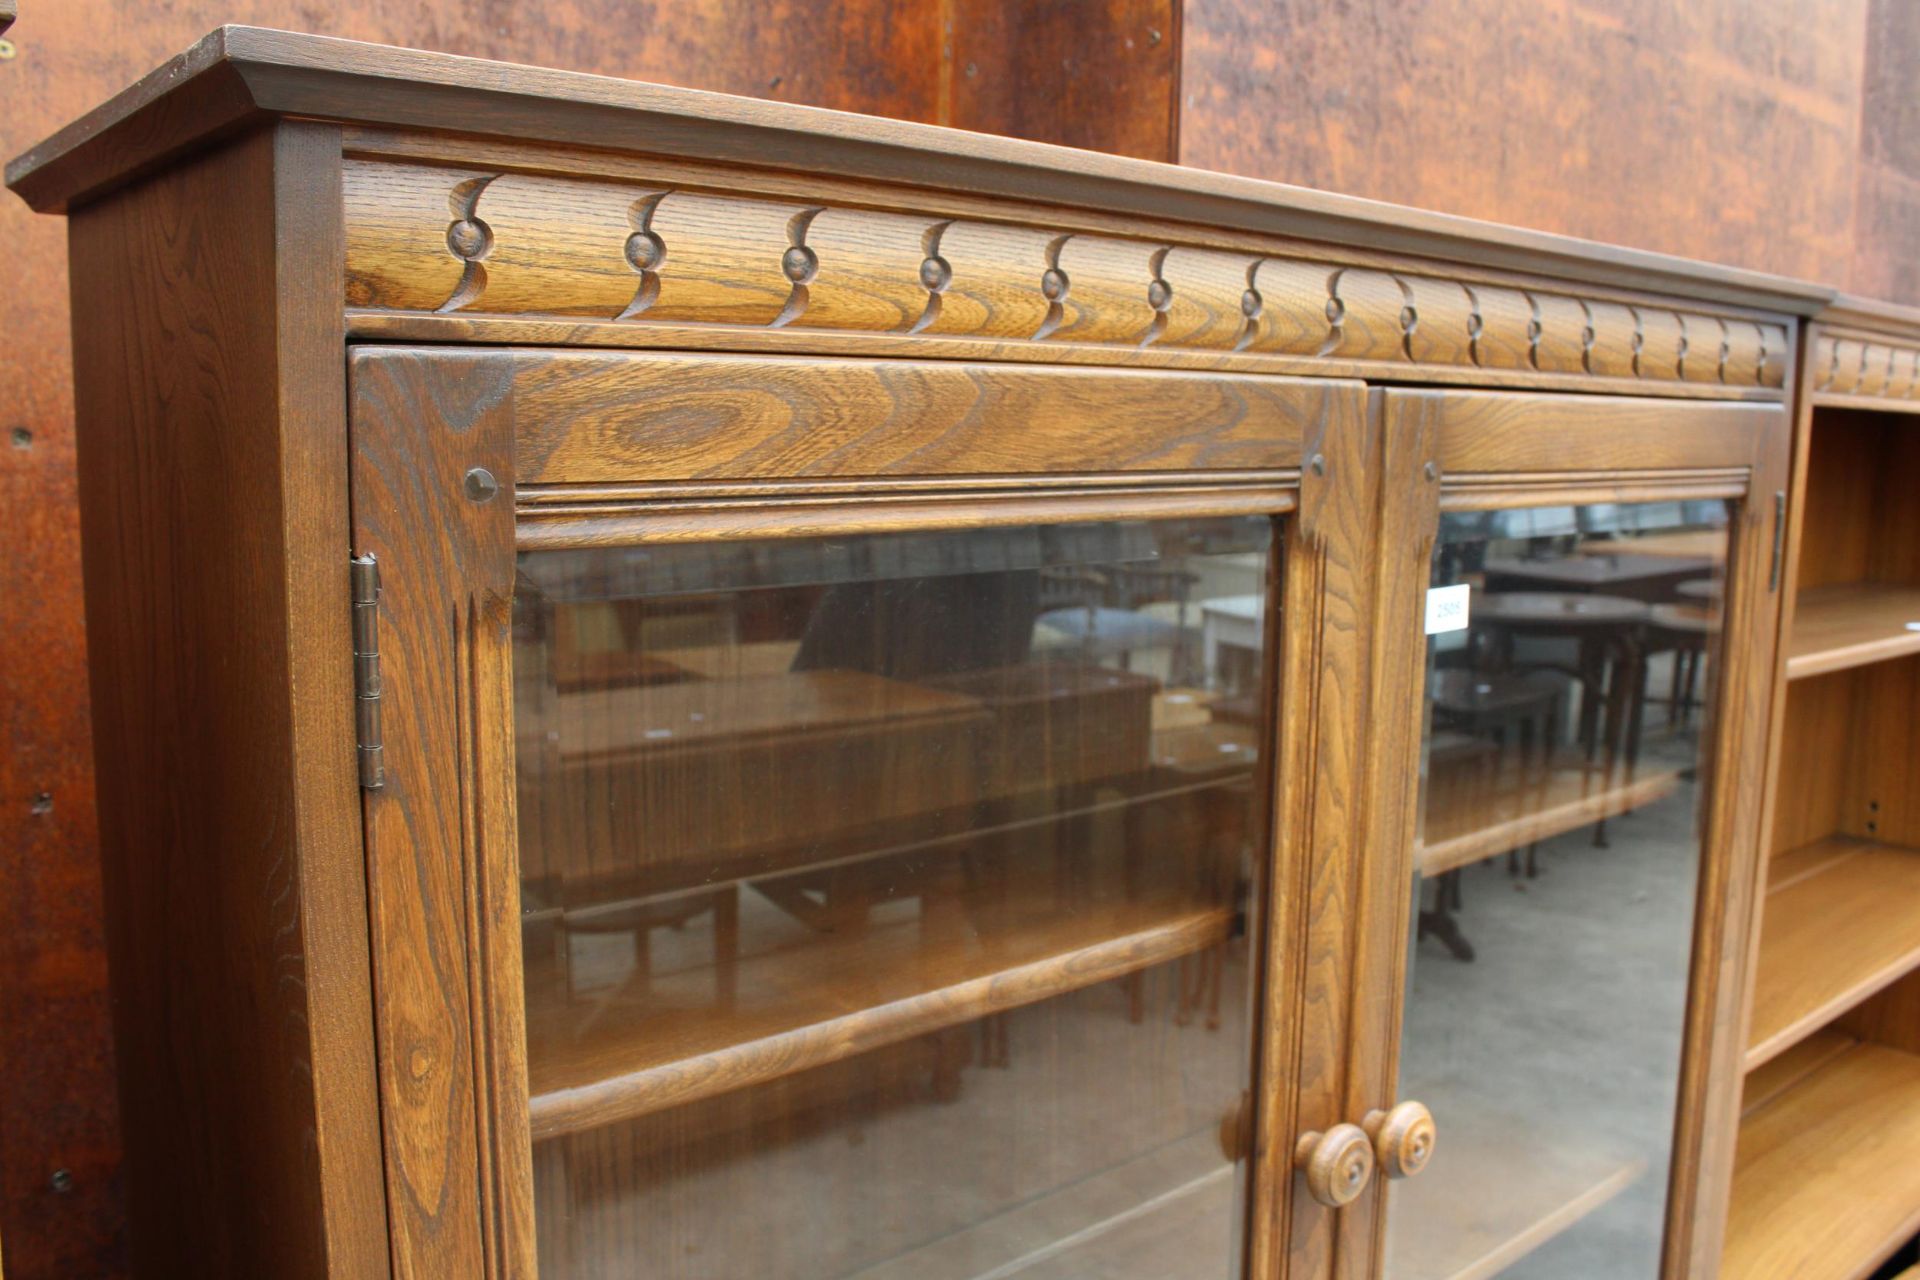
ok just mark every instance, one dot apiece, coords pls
pixel 1886 229
pixel 1662 126
pixel 211 472
pixel 1098 74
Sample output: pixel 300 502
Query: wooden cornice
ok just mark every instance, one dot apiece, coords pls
pixel 239 76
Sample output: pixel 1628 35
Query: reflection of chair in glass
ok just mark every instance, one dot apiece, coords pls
pixel 1489 762
pixel 1608 634
pixel 640 919
pixel 1459 781
pixel 1682 630
pixel 1496 707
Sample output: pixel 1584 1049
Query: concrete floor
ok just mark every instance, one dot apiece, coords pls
pixel 1562 1039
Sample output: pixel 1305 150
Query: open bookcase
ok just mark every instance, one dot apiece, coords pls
pixel 1824 1185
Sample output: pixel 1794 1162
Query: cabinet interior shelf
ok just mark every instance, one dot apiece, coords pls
pixel 800 1007
pixel 1850 625
pixel 1825 1186
pixel 1842 922
pixel 1473 828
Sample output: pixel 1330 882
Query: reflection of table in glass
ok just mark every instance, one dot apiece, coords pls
pixel 1694 544
pixel 1707 589
pixel 1684 630
pixel 1620 573
pixel 1520 712
pixel 728 768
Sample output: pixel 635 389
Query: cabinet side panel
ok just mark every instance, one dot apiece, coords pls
pixel 1733 881
pixel 433 504
pixel 213 512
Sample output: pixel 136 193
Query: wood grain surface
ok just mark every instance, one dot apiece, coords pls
pixel 1868 369
pixel 1860 522
pixel 491 241
pixel 814 58
pixel 1851 624
pixel 585 418
pixel 1824 1189
pixel 1484 437
pixel 1327 581
pixel 1832 938
pixel 1406 496
pixel 442 862
pixel 209 412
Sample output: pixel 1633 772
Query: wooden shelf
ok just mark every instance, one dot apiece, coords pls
pixel 1474 827
pixel 1851 625
pixel 1842 921
pixel 1476 1210
pixel 1825 1185
pixel 842 994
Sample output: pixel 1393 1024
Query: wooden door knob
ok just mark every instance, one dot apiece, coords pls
pixel 1337 1163
pixel 1402 1138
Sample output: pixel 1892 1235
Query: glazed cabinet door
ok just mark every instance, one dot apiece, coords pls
pixel 848 819
pixel 1574 675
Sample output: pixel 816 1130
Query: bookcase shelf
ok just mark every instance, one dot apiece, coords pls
pixel 1825 1186
pixel 1842 922
pixel 1850 625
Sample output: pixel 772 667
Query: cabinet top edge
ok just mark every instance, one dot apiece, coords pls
pixel 1885 319
pixel 237 76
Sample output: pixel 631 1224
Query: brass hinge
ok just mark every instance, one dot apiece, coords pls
pixel 366 672
pixel 1779 539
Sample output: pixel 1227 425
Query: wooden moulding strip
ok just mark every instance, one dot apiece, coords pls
pixel 545 528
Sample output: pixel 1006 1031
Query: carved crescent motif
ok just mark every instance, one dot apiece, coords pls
pixel 428 239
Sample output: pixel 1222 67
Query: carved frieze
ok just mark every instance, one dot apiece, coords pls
pixel 422 238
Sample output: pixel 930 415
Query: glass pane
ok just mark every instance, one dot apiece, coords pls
pixel 885 900
pixel 1556 872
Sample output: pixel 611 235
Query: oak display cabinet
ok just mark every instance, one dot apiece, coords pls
pixel 1832 1095
pixel 693 688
